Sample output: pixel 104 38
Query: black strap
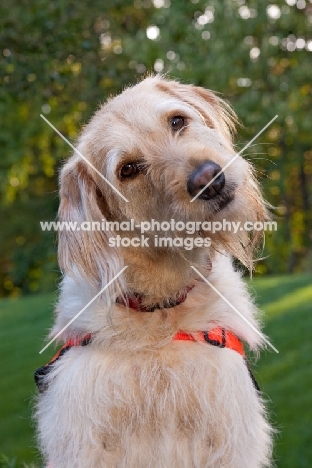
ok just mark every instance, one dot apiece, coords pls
pixel 252 377
pixel 41 373
pixel 220 344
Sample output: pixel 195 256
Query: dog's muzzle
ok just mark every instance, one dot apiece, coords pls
pixel 206 173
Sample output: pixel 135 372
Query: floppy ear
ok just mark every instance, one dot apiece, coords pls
pixel 83 252
pixel 227 120
pixel 216 112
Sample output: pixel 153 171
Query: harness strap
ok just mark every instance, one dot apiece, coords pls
pixel 223 339
pixel 44 370
pixel 218 336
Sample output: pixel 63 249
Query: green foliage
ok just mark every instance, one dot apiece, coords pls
pixel 62 59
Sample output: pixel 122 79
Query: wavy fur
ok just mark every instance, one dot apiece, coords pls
pixel 134 398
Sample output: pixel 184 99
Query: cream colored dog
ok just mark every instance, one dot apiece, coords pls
pixel 145 381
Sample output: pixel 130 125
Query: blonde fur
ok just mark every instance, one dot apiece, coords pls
pixel 134 398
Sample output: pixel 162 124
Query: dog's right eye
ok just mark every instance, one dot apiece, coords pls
pixel 128 170
pixel 177 123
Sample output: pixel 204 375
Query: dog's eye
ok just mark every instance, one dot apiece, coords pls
pixel 129 170
pixel 177 123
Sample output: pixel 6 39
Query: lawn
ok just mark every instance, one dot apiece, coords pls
pixel 23 325
pixel 285 378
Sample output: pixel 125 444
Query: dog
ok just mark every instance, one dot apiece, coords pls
pixel 153 372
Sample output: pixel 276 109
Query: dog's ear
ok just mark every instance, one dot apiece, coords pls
pixel 83 251
pixel 216 112
pixel 226 117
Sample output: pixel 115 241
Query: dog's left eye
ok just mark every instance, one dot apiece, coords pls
pixel 129 170
pixel 177 123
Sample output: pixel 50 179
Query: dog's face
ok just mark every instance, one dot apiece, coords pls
pixel 159 144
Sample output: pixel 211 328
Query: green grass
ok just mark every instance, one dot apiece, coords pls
pixel 23 325
pixel 285 378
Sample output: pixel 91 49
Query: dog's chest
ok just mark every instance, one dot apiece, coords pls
pixel 172 406
pixel 182 388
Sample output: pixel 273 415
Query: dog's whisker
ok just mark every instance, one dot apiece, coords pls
pixel 254 144
pixel 253 154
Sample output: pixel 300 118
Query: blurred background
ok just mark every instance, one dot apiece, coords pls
pixel 62 59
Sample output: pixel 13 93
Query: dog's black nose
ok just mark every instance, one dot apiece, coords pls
pixel 201 176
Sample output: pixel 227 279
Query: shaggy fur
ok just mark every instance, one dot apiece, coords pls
pixel 134 398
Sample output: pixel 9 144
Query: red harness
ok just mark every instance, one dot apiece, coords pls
pixel 218 336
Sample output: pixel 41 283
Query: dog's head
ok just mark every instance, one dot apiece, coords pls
pixel 162 145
